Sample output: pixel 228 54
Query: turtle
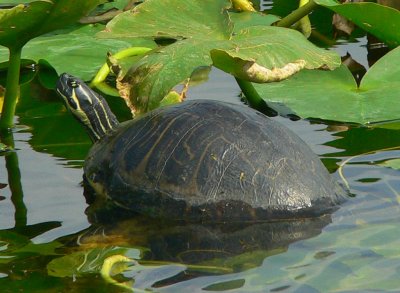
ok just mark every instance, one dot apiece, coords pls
pixel 200 160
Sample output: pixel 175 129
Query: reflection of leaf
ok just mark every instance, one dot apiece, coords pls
pixel 41 248
pixel 334 94
pixel 3 149
pixel 241 262
pixel 12 241
pixel 379 20
pixel 393 163
pixel 114 265
pixel 18 247
pixel 227 285
pixel 81 262
pixel 204 26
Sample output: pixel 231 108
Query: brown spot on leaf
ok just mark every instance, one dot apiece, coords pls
pixel 260 74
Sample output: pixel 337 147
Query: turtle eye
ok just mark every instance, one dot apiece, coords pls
pixel 73 83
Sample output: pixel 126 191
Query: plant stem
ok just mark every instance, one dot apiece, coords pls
pixel 252 96
pixel 250 92
pixel 105 69
pixel 254 99
pixel 12 89
pixel 296 15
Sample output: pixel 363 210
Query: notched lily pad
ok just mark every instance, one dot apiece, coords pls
pixel 274 47
pixel 251 71
pixel 262 54
pixel 257 52
pixel 334 95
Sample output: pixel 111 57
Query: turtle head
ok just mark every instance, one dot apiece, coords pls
pixel 90 108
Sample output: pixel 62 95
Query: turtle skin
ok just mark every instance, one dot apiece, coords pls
pixel 205 160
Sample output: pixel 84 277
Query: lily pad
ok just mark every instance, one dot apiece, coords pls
pixel 150 80
pixel 334 95
pixel 267 47
pixel 246 19
pixel 77 52
pixel 203 26
pixel 381 21
pixel 19 21
pixel 173 19
pixel 24 22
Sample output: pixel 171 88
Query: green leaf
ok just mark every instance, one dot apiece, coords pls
pixel 381 21
pixel 19 21
pixel 77 52
pixel 204 26
pixel 115 4
pixel 265 49
pixel 334 95
pixel 244 20
pixel 173 19
pixel 150 80
pixel 24 22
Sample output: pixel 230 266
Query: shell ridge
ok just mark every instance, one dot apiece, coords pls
pixel 174 148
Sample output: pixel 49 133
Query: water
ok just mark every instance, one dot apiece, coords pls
pixel 48 243
pixel 354 250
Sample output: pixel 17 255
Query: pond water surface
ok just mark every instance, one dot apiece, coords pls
pixel 47 243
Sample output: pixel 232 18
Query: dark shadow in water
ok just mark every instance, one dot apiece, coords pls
pixel 17 194
pixel 231 246
pixel 14 181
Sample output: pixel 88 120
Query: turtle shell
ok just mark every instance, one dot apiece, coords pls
pixel 210 161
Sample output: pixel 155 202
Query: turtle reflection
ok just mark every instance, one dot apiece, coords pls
pixel 232 246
